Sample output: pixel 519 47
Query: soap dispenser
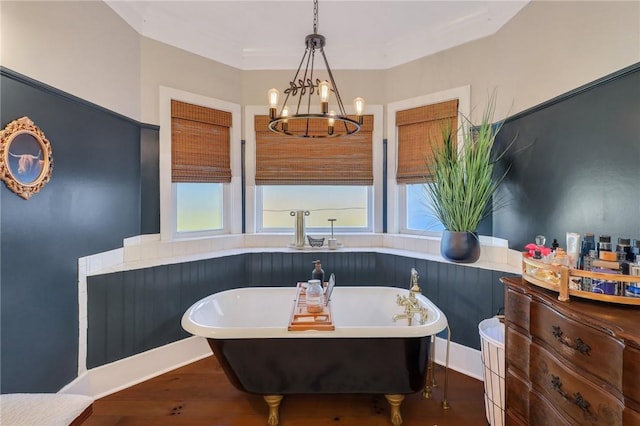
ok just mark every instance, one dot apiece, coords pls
pixel 318 273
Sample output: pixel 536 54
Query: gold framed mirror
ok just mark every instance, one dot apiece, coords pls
pixel 25 157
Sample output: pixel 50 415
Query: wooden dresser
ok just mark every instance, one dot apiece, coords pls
pixel 569 363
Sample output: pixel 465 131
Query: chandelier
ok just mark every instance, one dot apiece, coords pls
pixel 312 118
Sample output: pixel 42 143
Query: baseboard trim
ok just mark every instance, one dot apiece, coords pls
pixel 109 378
pixel 118 375
pixel 462 359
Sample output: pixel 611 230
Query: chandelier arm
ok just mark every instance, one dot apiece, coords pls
pixel 295 78
pixel 311 86
pixel 333 84
pixel 308 54
pixel 312 57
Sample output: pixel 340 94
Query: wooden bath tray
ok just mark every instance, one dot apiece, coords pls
pixel 301 320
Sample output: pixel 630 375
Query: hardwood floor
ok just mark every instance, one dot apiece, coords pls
pixel 200 394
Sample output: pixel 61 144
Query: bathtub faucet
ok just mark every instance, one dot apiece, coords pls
pixel 411 303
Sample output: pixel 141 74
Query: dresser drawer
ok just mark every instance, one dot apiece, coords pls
pixel 517 309
pixel 583 346
pixel 511 419
pixel 517 395
pixel 544 414
pixel 631 376
pixel 581 400
pixel 517 347
pixel 630 417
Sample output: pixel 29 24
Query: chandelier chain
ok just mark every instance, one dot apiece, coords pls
pixel 315 16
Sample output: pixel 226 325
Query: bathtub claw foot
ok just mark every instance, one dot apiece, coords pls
pixel 273 401
pixel 426 393
pixel 394 402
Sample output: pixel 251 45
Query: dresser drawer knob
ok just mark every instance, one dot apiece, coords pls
pixel 576 399
pixel 578 344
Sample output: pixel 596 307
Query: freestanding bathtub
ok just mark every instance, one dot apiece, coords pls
pixel 368 352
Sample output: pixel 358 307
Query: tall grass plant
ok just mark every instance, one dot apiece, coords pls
pixel 461 183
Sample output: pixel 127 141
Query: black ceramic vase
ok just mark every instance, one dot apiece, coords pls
pixel 460 247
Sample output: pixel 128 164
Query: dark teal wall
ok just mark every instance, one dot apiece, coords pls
pixel 575 165
pixel 91 203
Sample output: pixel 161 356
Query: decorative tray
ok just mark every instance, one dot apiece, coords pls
pixel 302 320
pixel 571 282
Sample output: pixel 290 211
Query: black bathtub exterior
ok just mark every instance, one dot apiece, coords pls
pixel 324 365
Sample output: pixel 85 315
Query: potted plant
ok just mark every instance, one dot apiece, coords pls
pixel 462 184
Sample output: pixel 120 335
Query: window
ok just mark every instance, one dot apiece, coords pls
pixel 199 165
pixel 419 216
pixel 419 132
pixel 331 178
pixel 348 204
pixel 199 207
pixel 417 123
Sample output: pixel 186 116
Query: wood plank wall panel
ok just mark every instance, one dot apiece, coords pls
pixel 134 311
pixel 466 295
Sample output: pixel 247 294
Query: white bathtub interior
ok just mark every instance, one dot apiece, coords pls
pixel 264 312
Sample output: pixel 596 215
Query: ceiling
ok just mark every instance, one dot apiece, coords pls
pixel 361 34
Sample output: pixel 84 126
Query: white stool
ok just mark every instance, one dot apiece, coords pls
pixel 44 409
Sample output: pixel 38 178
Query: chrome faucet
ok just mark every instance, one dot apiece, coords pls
pixel 411 303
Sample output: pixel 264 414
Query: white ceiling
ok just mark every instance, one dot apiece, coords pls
pixel 267 34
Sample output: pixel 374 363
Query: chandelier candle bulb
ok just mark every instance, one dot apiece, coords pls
pixel 331 122
pixel 358 105
pixel 324 90
pixel 273 96
pixel 285 122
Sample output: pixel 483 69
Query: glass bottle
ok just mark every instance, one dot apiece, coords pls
pixel 588 244
pixel 318 273
pixel 561 258
pixel 314 296
pixel 604 244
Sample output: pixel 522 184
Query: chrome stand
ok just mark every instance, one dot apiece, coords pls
pixel 431 377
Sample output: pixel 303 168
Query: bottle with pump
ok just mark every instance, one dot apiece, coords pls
pixel 318 273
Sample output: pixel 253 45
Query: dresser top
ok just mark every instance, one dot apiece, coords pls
pixel 622 321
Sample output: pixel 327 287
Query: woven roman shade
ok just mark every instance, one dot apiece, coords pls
pixel 200 144
pixel 419 131
pixel 282 160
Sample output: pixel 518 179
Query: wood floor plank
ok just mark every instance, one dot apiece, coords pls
pixel 199 394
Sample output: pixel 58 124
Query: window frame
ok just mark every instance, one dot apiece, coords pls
pixel 253 198
pixel 232 198
pixel 396 193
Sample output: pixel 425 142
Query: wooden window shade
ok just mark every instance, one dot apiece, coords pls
pixel 282 160
pixel 419 131
pixel 200 144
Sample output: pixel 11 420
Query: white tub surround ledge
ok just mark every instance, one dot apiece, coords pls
pixel 147 251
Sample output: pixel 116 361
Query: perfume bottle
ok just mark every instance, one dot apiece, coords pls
pixel 588 244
